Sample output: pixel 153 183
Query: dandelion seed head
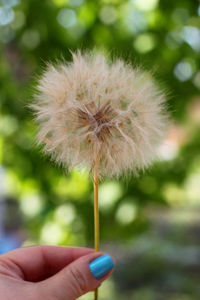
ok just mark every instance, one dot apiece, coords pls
pixel 92 107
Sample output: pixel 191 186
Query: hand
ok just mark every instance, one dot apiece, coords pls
pixel 49 273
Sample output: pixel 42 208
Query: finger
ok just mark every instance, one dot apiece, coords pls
pixel 39 262
pixel 77 279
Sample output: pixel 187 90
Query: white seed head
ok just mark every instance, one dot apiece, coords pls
pixel 92 107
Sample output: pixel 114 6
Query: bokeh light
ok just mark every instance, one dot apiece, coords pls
pixel 67 18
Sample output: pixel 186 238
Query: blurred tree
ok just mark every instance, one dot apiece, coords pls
pixel 163 36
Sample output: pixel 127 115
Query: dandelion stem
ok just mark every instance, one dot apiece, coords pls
pixel 96 213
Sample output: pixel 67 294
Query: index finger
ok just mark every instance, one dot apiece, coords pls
pixel 40 262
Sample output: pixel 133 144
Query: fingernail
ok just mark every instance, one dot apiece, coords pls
pixel 101 266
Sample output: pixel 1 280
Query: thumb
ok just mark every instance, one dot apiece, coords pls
pixel 81 276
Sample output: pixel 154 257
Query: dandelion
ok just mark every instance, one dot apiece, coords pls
pixel 101 114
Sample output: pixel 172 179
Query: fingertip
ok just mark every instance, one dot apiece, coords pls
pixel 101 266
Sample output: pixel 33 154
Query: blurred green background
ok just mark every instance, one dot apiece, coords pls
pixel 151 224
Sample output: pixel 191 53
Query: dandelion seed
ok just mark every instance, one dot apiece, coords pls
pixel 94 107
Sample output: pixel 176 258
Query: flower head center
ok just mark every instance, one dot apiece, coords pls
pixel 97 120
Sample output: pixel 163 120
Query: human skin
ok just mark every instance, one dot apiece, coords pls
pixel 47 272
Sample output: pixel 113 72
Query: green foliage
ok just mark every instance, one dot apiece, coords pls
pixel 162 36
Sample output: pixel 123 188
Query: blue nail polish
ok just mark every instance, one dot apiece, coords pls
pixel 101 265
